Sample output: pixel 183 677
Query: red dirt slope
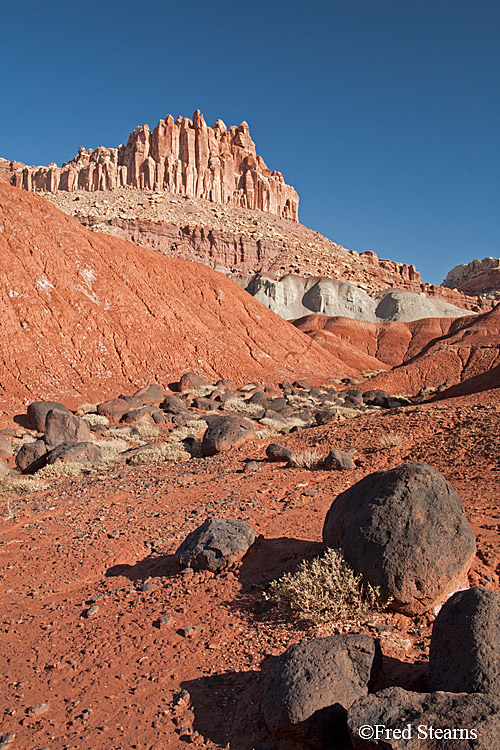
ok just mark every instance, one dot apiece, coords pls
pixel 471 348
pixel 86 313
pixel 372 346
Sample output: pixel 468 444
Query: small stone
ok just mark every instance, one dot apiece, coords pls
pixel 37 710
pixel 250 466
pixel 91 611
pixel 149 586
pixel 6 739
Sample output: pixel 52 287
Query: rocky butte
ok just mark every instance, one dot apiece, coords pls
pixel 184 157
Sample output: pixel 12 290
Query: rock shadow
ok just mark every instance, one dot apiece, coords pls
pixel 227 710
pixel 161 566
pixel 403 674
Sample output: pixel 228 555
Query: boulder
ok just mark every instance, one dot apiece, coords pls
pixel 6 450
pixel 465 645
pixel 64 427
pixel 190 381
pixel 311 685
pixel 150 394
pixel 37 413
pixel 377 398
pixel 339 461
pixel 404 530
pixel 114 409
pixel 84 453
pixel 141 415
pixel 206 404
pixel 215 544
pixel 323 416
pixel 276 452
pixel 173 405
pixel 405 720
pixel 224 433
pixel 29 456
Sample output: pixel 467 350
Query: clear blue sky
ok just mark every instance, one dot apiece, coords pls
pixel 383 114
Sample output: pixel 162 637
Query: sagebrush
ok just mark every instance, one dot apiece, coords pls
pixel 325 591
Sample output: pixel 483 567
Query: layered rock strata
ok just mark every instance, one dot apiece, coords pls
pixel 183 157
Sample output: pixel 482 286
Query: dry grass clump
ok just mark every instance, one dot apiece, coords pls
pixel 146 431
pixel 348 413
pixel 124 433
pixel 204 390
pixel 111 449
pixel 95 418
pixel 12 485
pixel 325 591
pixel 17 442
pixel 167 452
pixel 60 469
pixel 267 434
pixel 196 426
pixel 277 427
pixel 391 440
pixel 310 458
pixel 240 406
pixel 86 409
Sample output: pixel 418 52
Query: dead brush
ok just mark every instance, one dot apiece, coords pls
pixel 325 591
pixel 310 458
pixel 391 440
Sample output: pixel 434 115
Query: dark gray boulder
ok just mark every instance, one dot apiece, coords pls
pixel 215 544
pixel 84 453
pixel 225 433
pixel 37 413
pixel 323 416
pixel 114 409
pixel 465 644
pixel 64 427
pixel 150 394
pixel 405 530
pixel 190 381
pixel 277 453
pixel 377 398
pixel 31 456
pixel 425 721
pixel 311 685
pixel 134 416
pixel 339 461
pixel 173 405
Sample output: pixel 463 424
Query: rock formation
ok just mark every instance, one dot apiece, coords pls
pixel 184 157
pixel 481 277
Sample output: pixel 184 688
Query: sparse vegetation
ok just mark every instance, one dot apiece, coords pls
pixel 92 418
pixel 86 409
pixel 12 485
pixel 240 406
pixel 167 452
pixel 146 431
pixel 325 591
pixel 391 440
pixel 61 469
pixel 111 449
pixel 276 427
pixel 308 459
pixel 17 442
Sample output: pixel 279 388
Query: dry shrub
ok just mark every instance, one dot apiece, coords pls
pixel 204 390
pixel 196 426
pixel 391 440
pixel 325 591
pixel 348 413
pixel 267 434
pixel 146 431
pixel 61 469
pixel 310 458
pixel 275 426
pixel 12 485
pixel 111 449
pixel 167 452
pixel 240 406
pixel 86 409
pixel 17 442
pixel 95 418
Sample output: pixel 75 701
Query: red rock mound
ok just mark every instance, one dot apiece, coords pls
pixel 86 313
pixel 470 349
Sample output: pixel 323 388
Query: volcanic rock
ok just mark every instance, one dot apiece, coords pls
pixel 224 433
pixel 465 645
pixel 312 683
pixel 5 448
pixel 74 452
pixel 64 427
pixel 190 381
pixel 405 530
pixel 339 461
pixel 215 544
pixel 37 413
pixel 29 455
pixel 397 709
pixel 276 452
pixel 150 394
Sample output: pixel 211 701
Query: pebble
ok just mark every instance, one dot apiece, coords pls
pixel 6 739
pixel 147 586
pixel 38 710
pixel 250 466
pixel 91 611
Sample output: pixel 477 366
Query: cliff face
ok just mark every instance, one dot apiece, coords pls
pixel 481 277
pixel 184 157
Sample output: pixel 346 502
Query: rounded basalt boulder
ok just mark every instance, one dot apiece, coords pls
pixel 37 413
pixel 114 409
pixel 339 461
pixel 313 683
pixel 215 544
pixel 225 433
pixel 190 381
pixel 276 452
pixel 397 719
pixel 64 427
pixel 465 644
pixel 405 531
pixel 30 456
pixel 150 394
pixel 85 453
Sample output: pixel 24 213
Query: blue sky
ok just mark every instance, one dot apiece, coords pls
pixel 383 114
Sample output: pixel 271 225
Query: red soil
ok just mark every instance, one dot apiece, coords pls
pixel 90 314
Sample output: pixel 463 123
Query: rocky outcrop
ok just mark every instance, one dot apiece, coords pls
pixel 477 277
pixel 183 157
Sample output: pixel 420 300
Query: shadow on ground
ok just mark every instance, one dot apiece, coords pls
pixel 161 566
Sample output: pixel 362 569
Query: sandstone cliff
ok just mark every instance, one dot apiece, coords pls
pixel 479 277
pixel 184 157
